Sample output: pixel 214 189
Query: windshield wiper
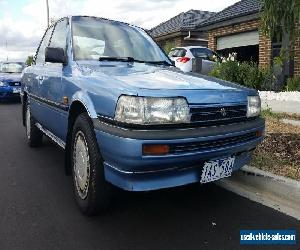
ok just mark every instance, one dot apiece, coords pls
pixel 131 59
pixel 116 59
pixel 155 62
pixel 159 63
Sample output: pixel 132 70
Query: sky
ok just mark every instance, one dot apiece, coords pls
pixel 23 22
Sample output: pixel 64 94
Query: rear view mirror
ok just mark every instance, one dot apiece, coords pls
pixel 55 55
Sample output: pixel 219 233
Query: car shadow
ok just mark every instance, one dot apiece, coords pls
pixel 10 101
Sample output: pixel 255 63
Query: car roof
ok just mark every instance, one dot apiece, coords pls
pixel 100 18
pixel 191 47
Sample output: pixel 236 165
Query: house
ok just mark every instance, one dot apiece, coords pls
pixel 180 30
pixel 236 29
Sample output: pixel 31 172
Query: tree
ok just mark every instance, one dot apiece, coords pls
pixel 29 60
pixel 279 21
pixel 280 18
pixel 168 46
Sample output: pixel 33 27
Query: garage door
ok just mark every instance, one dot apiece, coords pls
pixel 238 40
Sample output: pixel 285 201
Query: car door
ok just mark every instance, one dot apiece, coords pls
pixel 32 77
pixel 51 85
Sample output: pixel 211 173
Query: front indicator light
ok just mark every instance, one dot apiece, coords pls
pixel 152 149
pixel 259 133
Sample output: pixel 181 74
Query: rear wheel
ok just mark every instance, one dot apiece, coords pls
pixel 34 135
pixel 92 192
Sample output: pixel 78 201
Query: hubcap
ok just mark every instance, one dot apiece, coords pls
pixel 28 125
pixel 81 166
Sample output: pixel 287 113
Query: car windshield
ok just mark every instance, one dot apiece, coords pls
pixel 12 67
pixel 100 39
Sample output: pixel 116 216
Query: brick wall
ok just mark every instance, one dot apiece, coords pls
pixel 265 50
pixel 176 41
pixel 264 42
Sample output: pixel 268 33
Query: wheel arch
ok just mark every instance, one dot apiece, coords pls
pixel 80 104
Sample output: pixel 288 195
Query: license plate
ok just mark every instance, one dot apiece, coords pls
pixel 217 169
pixel 16 90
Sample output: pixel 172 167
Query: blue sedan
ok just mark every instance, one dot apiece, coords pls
pixel 10 80
pixel 107 94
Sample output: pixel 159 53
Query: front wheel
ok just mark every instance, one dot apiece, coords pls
pixel 92 192
pixel 34 135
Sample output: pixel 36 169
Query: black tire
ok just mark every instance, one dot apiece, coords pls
pixel 33 134
pixel 95 196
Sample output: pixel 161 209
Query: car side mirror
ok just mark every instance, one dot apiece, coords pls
pixel 55 55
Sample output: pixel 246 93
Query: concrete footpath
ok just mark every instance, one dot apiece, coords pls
pixel 282 106
pixel 277 192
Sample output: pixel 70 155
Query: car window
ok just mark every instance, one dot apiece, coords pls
pixel 59 37
pixel 40 56
pixel 94 38
pixel 179 53
pixel 204 53
pixel 172 52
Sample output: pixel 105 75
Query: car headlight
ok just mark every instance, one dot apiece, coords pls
pixel 254 106
pixel 3 84
pixel 152 110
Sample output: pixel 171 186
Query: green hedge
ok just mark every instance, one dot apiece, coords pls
pixel 293 84
pixel 247 74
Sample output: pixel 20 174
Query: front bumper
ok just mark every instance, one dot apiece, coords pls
pixel 7 92
pixel 126 167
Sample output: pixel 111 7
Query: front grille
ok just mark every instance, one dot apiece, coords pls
pixel 14 84
pixel 218 114
pixel 211 144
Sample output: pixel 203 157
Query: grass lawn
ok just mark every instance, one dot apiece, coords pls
pixel 280 151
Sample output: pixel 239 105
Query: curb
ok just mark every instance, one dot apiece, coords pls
pixel 291 122
pixel 277 192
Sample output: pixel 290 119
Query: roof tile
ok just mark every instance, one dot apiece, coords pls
pixel 241 8
pixel 183 21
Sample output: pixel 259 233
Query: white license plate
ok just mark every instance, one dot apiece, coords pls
pixel 217 169
pixel 16 90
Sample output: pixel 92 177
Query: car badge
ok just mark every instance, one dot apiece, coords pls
pixel 223 112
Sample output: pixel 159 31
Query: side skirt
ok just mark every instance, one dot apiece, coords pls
pixel 53 137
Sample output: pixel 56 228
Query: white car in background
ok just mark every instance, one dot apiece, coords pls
pixel 182 56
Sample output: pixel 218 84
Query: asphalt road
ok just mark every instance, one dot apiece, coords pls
pixel 37 210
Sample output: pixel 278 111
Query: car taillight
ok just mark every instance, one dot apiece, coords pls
pixel 183 59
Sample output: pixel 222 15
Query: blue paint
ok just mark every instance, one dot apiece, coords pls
pixel 98 85
pixel 12 81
